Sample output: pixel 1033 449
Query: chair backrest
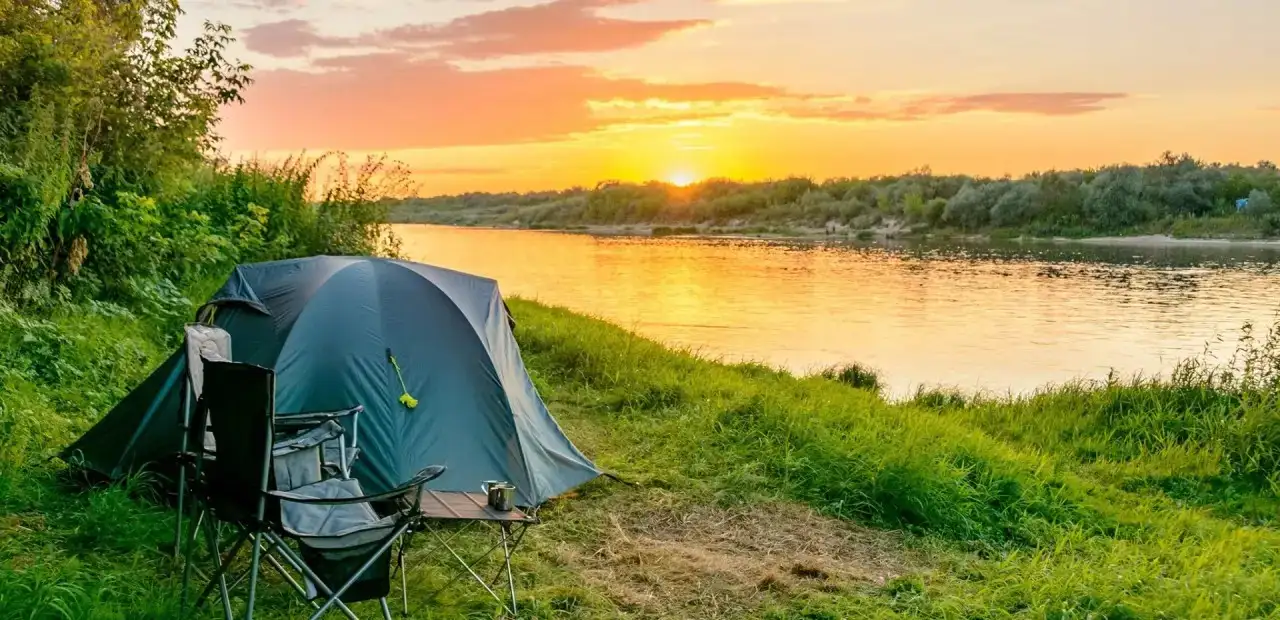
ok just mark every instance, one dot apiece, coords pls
pixel 241 400
pixel 204 342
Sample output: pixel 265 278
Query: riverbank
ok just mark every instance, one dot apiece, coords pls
pixel 1158 241
pixel 884 234
pixel 756 494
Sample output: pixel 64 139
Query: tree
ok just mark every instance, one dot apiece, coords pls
pixel 970 209
pixel 1061 199
pixel 1260 203
pixel 95 105
pixel 1114 199
pixel 1017 206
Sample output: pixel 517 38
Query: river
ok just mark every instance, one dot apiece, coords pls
pixel 978 317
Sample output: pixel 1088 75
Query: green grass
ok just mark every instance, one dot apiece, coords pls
pixel 1138 499
pixel 1224 227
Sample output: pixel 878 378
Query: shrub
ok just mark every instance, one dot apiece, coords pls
pixel 1017 206
pixel 1260 203
pixel 854 375
pixel 970 209
pixel 1115 199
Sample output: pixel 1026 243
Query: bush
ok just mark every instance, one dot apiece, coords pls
pixel 1260 203
pixel 971 208
pixel 855 376
pixel 1115 199
pixel 1017 206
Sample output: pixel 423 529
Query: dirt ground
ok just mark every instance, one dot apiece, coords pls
pixel 683 561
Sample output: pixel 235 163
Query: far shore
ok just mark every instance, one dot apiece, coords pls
pixel 1149 241
pixel 889 234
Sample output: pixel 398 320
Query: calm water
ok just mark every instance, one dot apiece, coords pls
pixel 977 317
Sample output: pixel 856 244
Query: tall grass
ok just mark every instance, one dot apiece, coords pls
pixel 1042 500
pixel 855 376
pixel 1127 499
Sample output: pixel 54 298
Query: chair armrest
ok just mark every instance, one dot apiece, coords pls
pixel 308 439
pixel 303 418
pixel 426 475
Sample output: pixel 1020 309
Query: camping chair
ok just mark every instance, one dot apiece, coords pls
pixel 208 342
pixel 255 484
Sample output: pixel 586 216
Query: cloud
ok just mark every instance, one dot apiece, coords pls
pixel 291 37
pixel 1046 104
pixel 278 6
pixel 459 171
pixel 923 108
pixel 560 26
pixel 391 101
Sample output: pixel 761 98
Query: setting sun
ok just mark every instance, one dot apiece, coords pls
pixel 682 178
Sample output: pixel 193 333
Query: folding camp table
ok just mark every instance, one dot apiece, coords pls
pixel 473 508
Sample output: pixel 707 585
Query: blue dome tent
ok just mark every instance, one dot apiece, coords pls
pixel 329 326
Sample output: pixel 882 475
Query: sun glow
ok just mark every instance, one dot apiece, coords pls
pixel 682 178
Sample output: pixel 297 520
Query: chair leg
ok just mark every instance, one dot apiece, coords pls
pixel 404 582
pixel 297 587
pixel 253 575
pixel 336 598
pixel 182 496
pixel 386 611
pixel 293 583
pixel 182 468
pixel 215 547
pixel 220 577
pixel 189 558
pixel 306 571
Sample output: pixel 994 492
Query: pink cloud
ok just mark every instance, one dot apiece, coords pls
pixel 388 101
pixel 279 6
pixel 291 37
pixel 1042 104
pixel 1046 104
pixel 459 171
pixel 560 26
pixel 555 27
pixel 393 101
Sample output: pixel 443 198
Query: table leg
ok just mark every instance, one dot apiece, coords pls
pixel 506 558
pixel 480 580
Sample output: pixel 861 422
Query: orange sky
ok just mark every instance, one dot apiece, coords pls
pixel 500 95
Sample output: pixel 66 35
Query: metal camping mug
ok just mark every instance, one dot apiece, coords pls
pixel 501 495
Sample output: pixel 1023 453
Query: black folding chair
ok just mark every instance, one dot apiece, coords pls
pixel 257 485
pixel 208 342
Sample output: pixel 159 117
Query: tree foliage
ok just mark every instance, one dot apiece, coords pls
pixel 1159 196
pixel 109 183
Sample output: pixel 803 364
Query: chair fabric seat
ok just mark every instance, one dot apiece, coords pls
pixel 332 526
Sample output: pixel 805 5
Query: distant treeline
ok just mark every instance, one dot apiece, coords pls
pixel 1176 194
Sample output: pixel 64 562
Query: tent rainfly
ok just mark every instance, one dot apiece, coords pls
pixel 327 325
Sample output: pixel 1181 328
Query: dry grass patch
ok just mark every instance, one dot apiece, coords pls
pixel 669 559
